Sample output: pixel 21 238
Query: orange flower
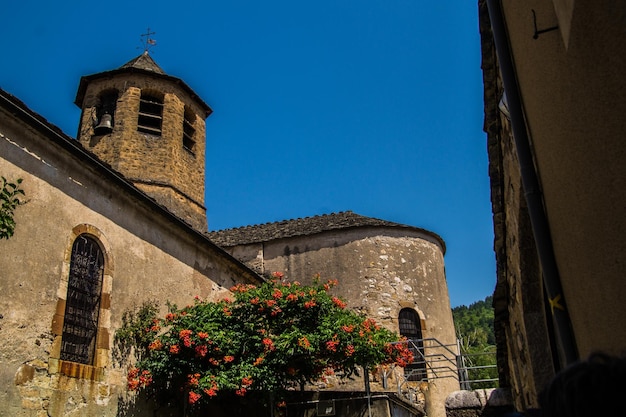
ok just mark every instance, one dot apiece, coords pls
pixel 193 397
pixel 203 335
pixel 193 379
pixel 246 381
pixel 229 358
pixel 174 349
pixel 268 343
pixel 202 350
pixel 258 361
pixel 136 380
pixel 339 303
pixel 304 342
pixel 133 372
pixel 241 288
pixel 241 392
pixel 350 350
pixel 332 345
pixel 156 345
pixel 309 304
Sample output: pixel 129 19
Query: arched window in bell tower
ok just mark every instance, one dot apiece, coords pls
pixel 150 113
pixel 411 328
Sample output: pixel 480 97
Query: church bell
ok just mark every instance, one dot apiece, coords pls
pixel 105 126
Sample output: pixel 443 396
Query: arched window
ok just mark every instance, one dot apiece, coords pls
pixel 410 327
pixel 82 306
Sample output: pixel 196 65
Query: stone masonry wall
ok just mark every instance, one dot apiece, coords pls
pixel 380 271
pixel 524 358
pixel 158 164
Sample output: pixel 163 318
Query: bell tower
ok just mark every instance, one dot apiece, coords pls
pixel 150 127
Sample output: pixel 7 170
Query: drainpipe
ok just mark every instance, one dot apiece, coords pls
pixel 532 188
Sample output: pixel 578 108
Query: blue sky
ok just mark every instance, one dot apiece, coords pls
pixel 319 107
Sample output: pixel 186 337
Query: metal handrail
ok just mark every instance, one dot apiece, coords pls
pixel 447 361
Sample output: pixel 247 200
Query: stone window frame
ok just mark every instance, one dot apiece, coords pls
pixel 94 371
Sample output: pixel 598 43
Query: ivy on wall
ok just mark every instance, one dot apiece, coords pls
pixel 10 197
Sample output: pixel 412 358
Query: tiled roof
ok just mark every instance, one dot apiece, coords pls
pixel 303 227
pixel 144 62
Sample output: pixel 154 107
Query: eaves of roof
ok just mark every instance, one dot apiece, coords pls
pixel 130 69
pixel 307 226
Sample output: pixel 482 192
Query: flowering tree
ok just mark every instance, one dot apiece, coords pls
pixel 267 338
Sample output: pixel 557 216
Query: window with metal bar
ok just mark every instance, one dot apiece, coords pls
pixel 410 327
pixel 150 117
pixel 189 131
pixel 82 308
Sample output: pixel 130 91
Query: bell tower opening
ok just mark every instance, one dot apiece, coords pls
pixel 150 113
pixel 189 131
pixel 105 112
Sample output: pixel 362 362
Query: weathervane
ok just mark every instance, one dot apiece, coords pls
pixel 146 40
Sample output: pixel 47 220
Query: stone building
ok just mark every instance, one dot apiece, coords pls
pixel 554 90
pixel 92 243
pixel 389 271
pixel 116 218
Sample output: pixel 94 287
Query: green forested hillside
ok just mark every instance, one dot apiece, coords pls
pixel 474 324
pixel 475 331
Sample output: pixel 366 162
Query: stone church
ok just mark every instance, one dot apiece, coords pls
pixel 116 217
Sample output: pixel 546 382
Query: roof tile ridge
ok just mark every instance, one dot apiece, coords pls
pixel 284 221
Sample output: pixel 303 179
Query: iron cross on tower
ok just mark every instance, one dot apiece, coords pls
pixel 147 41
